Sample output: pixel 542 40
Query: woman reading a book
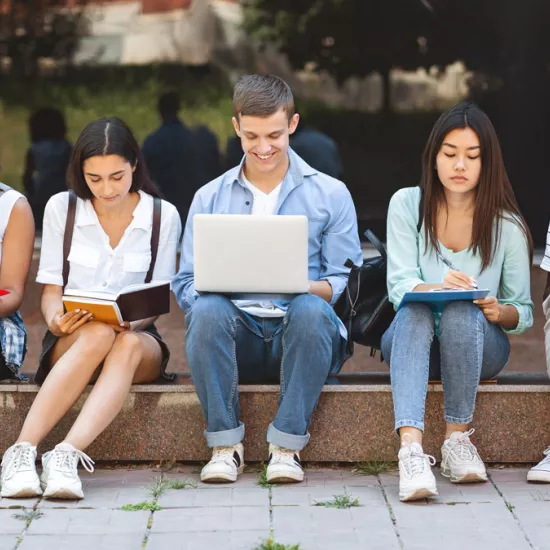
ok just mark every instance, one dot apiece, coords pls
pixel 461 229
pixel 111 247
pixel 16 246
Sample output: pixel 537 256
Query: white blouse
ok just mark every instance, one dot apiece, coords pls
pixel 7 202
pixel 94 265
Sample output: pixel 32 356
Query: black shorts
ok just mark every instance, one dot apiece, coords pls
pixel 50 340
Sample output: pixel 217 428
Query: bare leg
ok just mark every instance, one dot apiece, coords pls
pixel 450 428
pixel 75 358
pixel 134 358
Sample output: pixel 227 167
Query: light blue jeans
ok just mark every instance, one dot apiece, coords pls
pixel 469 349
pixel 226 346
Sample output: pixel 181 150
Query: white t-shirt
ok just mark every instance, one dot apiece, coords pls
pixel 545 264
pixel 94 265
pixel 7 202
pixel 262 204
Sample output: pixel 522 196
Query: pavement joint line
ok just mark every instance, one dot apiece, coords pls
pixel 510 508
pixel 390 512
pixel 21 537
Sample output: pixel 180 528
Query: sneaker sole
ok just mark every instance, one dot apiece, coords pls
pixel 424 492
pixel 63 493
pixel 284 478
pixel 222 478
pixel 26 492
pixel 471 477
pixel 540 477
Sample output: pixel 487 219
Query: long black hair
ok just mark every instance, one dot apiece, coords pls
pixel 495 198
pixel 108 136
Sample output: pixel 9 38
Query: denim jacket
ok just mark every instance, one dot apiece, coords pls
pixel 327 203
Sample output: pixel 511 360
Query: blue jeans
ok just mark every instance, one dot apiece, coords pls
pixel 226 346
pixel 469 349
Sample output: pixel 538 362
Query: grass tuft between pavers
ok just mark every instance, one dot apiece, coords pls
pixel 374 467
pixel 270 544
pixel 339 501
pixel 148 505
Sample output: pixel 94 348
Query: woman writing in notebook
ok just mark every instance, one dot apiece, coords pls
pixel 110 248
pixel 461 229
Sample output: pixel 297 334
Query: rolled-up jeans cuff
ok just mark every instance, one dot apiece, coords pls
pixel 460 420
pixel 226 438
pixel 409 424
pixel 286 441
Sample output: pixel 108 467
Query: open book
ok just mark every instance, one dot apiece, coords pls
pixel 132 303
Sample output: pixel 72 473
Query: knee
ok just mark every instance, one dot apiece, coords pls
pixel 210 308
pixel 310 312
pixel 415 316
pixel 460 317
pixel 97 337
pixel 128 345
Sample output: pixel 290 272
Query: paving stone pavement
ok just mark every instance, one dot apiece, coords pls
pixel 505 513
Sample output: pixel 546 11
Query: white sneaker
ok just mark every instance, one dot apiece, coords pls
pixel 284 465
pixel 416 479
pixel 19 477
pixel 226 464
pixel 460 461
pixel 541 472
pixel 60 472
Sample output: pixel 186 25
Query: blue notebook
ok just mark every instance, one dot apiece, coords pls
pixel 438 298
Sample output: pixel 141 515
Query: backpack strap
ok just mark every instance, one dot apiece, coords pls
pixel 68 236
pixel 155 235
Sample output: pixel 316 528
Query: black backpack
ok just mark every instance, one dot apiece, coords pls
pixel 364 307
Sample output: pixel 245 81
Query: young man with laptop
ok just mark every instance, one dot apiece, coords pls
pixel 262 264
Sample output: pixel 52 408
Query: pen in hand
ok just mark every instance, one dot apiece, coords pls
pixel 450 266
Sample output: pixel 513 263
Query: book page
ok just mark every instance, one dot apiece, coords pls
pixel 143 286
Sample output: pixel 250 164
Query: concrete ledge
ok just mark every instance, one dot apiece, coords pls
pixel 165 422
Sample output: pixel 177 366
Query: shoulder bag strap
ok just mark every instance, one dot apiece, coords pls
pixel 68 236
pixel 155 234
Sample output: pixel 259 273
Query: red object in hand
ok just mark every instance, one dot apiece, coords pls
pixel 3 292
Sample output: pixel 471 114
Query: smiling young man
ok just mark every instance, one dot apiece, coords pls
pixel 296 343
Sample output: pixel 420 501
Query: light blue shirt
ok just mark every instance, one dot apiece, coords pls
pixel 327 203
pixel 507 278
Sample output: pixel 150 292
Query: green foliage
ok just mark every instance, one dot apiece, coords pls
pixel 339 501
pixel 270 544
pixel 28 515
pixel 145 505
pixel 129 93
pixel 262 478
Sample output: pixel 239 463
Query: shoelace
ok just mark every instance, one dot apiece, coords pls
pixel 285 456
pixel 463 448
pixel 22 457
pixel 67 460
pixel 223 454
pixel 415 461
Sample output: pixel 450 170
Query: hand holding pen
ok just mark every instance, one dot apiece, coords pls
pixel 457 279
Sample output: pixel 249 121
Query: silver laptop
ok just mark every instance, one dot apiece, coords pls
pixel 249 257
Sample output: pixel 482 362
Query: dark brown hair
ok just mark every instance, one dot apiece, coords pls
pixel 262 96
pixel 107 136
pixel 495 198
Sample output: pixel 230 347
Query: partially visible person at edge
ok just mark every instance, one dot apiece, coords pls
pixel 271 179
pixel 472 236
pixel 541 472
pixel 47 160
pixel 110 249
pixel 16 248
